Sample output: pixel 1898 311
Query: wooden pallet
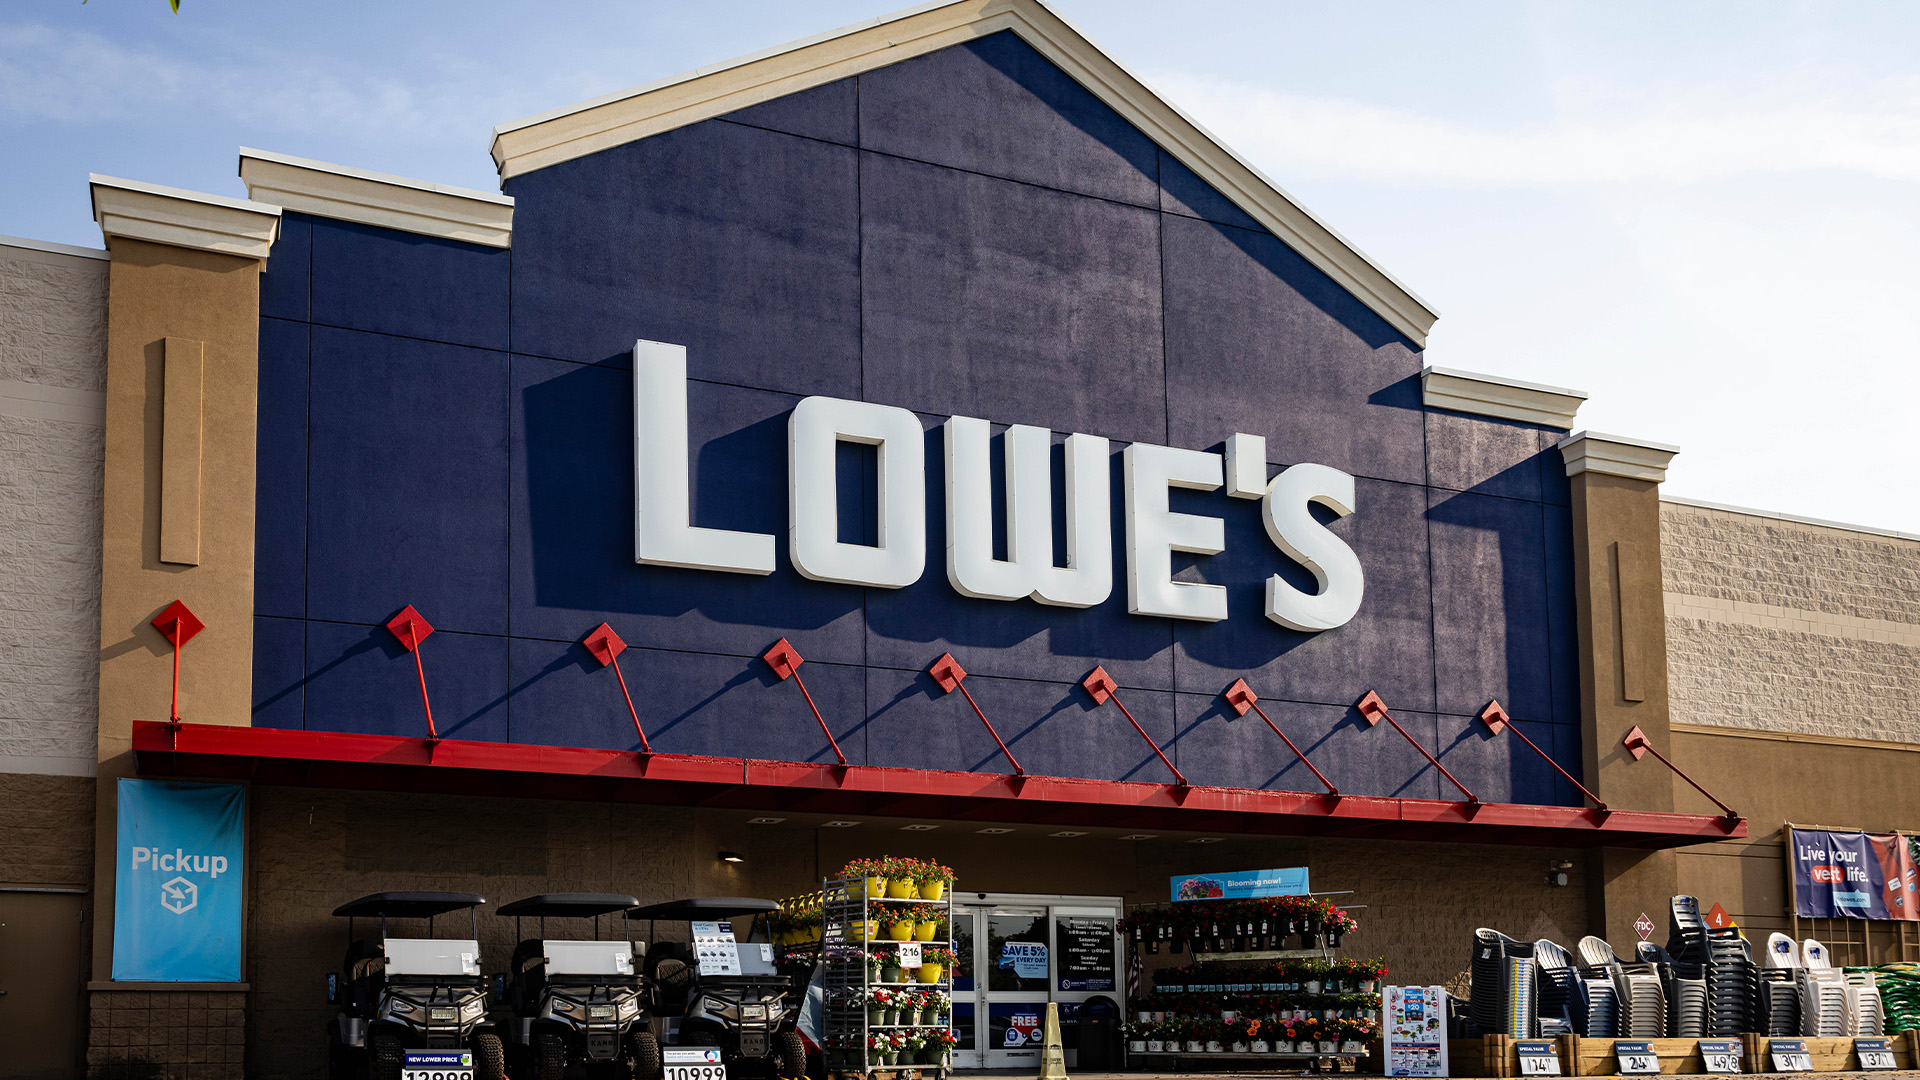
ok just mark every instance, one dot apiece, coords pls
pixel 1495 1055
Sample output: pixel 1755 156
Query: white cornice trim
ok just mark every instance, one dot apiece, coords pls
pixel 1774 515
pixel 1506 399
pixel 591 126
pixel 370 198
pixel 52 248
pixel 1615 455
pixel 188 219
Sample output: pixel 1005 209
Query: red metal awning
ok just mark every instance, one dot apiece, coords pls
pixel 453 766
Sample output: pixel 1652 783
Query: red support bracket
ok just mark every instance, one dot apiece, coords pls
pixel 1100 686
pixel 178 625
pixel 785 660
pixel 1637 745
pixel 948 675
pixel 1497 720
pixel 411 628
pixel 1373 710
pixel 606 647
pixel 1240 697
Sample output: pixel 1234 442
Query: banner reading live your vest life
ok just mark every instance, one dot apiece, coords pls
pixel 1839 875
pixel 176 902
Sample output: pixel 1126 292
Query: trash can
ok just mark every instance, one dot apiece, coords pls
pixel 1099 1034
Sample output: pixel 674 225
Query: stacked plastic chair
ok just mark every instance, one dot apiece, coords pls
pixel 1686 992
pixel 1643 1005
pixel 1779 1003
pixel 1733 982
pixel 1823 993
pixel 1504 994
pixel 1866 1015
pixel 1563 1007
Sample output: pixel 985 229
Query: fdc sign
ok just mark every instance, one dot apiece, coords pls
pixel 176 897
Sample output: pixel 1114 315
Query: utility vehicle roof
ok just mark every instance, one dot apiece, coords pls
pixel 409 905
pixel 706 907
pixel 580 905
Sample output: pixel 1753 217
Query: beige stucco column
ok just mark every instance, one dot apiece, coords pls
pixel 1621 619
pixel 183 325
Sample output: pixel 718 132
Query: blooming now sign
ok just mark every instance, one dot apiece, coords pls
pixel 1240 884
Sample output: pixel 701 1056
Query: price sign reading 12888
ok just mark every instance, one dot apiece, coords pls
pixel 1636 1057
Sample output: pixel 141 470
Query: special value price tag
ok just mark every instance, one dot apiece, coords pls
pixel 1790 1055
pixel 1538 1057
pixel 1720 1055
pixel 1636 1058
pixel 1875 1054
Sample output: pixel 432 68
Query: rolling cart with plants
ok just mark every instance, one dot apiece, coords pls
pixel 886 948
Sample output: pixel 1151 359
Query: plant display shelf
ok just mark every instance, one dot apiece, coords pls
pixel 846 913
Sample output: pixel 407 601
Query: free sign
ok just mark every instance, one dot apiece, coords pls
pixel 664 534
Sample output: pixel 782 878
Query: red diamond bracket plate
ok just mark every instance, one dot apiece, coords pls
pixel 1099 685
pixel 1240 697
pixel 947 672
pixel 177 624
pixel 783 658
pixel 409 627
pixel 1372 709
pixel 1636 743
pixel 1495 718
pixel 604 644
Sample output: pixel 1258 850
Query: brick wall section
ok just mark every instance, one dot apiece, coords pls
pixel 1790 626
pixel 52 336
pixel 47 838
pixel 190 1035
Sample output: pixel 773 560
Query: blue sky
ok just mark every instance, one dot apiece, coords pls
pixel 1706 215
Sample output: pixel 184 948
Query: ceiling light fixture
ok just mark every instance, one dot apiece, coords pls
pixel 731 856
pixel 838 824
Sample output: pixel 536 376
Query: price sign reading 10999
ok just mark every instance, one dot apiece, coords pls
pixel 694 1063
pixel 1720 1055
pixel 1636 1057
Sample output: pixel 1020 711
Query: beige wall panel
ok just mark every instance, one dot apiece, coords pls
pixel 158 292
pixel 183 366
pixel 48 837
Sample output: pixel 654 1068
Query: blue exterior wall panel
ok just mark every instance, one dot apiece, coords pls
pixel 969 232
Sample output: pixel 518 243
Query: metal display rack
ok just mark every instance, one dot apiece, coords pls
pixel 847 914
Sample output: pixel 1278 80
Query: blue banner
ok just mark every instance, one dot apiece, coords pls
pixel 177 893
pixel 1840 875
pixel 1244 883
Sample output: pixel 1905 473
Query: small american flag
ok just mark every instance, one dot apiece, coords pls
pixel 1133 973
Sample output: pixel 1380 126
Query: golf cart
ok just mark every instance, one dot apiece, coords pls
pixel 577 1002
pixel 713 991
pixel 411 1003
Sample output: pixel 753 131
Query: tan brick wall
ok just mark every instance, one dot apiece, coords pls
pixel 47 838
pixel 52 373
pixel 1781 625
pixel 188 1035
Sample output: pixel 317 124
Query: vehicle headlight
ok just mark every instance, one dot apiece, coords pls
pixel 442 1014
pixel 398 1006
pixel 600 1012
pixel 564 1006
pixel 473 1010
pixel 629 1009
pixel 753 1012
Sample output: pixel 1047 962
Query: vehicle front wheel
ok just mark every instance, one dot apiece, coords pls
pixel 550 1057
pixel 791 1051
pixel 644 1051
pixel 489 1058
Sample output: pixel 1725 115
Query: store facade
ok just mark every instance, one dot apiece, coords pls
pixel 930 355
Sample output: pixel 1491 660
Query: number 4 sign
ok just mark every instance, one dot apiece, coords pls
pixel 1636 1058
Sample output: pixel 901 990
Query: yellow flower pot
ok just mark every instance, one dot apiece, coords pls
pixel 866 930
pixel 930 973
pixel 876 887
pixel 925 931
pixel 904 889
pixel 933 890
pixel 902 930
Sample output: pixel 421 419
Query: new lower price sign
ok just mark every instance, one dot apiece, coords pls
pixel 1538 1057
pixel 1720 1055
pixel 1875 1054
pixel 1636 1057
pixel 1790 1055
pixel 694 1063
pixel 437 1065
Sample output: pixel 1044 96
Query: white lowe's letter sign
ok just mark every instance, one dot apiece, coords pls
pixel 664 534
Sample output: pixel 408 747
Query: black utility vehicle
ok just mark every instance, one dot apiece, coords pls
pixel 403 999
pixel 577 1002
pixel 724 993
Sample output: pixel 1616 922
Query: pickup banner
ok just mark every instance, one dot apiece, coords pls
pixel 177 891
pixel 1841 875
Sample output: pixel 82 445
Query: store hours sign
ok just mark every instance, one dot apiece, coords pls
pixel 1082 575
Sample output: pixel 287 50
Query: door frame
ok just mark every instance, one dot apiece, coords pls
pixel 980 907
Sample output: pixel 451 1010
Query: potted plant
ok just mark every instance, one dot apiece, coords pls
pixel 1191 1034
pixel 935 962
pixel 887 1003
pixel 900 874
pixel 1156 1037
pixel 1257 1036
pixel 879 1046
pixel 1312 972
pixel 1338 925
pixel 937 1006
pixel 932 925
pixel 933 879
pixel 1233 1033
pixel 938 1042
pixel 910 1044
pixel 900 921
pixel 872 871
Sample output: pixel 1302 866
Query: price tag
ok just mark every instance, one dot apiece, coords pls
pixel 1875 1054
pixel 1720 1055
pixel 1636 1058
pixel 1538 1057
pixel 695 1063
pixel 909 954
pixel 1790 1055
pixel 444 1065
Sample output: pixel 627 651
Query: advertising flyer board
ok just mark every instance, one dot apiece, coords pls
pixel 1838 875
pixel 1416 1030
pixel 1027 959
pixel 176 898
pixel 1240 884
pixel 1086 952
